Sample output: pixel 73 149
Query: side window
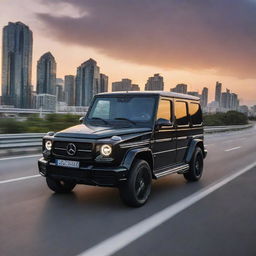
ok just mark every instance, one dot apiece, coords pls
pixel 181 113
pixel 195 113
pixel 164 109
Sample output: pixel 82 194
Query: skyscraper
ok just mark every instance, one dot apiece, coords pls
pixel 155 83
pixel 87 82
pixel 180 88
pixel 69 90
pixel 46 74
pixel 124 85
pixel 16 65
pixel 103 83
pixel 218 92
pixel 204 97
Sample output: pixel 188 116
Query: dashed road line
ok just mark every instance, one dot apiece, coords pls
pixel 20 178
pixel 231 149
pixel 19 157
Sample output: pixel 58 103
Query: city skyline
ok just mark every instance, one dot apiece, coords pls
pixel 70 54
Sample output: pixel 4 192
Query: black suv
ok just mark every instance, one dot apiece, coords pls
pixel 126 140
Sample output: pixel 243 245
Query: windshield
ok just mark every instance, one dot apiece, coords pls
pixel 128 110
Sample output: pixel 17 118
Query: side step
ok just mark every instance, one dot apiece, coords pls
pixel 179 169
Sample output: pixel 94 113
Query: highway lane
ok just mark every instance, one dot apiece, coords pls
pixel 36 222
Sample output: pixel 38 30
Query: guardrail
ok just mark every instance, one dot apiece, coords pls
pixel 34 140
pixel 21 140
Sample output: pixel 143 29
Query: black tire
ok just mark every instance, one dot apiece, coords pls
pixel 60 186
pixel 136 190
pixel 196 166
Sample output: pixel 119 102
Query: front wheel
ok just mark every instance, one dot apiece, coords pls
pixel 196 166
pixel 136 190
pixel 60 186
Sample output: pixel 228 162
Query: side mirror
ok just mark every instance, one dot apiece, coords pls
pixel 162 122
pixel 81 119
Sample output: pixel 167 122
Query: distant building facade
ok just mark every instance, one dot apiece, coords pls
pixel 218 89
pixel 87 82
pixel 123 85
pixel 196 94
pixel 103 83
pixel 17 65
pixel 69 90
pixel 155 83
pixel 135 87
pixel 204 97
pixel 46 102
pixel 46 74
pixel 180 88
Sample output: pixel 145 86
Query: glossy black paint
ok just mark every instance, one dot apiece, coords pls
pixel 164 147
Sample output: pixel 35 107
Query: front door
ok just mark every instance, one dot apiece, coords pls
pixel 164 143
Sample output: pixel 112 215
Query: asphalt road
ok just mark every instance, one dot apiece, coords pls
pixel 34 221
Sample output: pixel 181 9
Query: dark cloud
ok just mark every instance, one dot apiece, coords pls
pixel 172 34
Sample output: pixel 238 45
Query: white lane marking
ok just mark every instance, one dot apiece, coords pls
pixel 127 236
pixel 18 157
pixel 21 178
pixel 230 149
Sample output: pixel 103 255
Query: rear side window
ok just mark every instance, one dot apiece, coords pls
pixel 164 110
pixel 195 113
pixel 181 113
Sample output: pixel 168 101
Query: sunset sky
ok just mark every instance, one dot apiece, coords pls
pixel 197 42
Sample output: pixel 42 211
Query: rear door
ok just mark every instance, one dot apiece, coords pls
pixel 164 144
pixel 183 130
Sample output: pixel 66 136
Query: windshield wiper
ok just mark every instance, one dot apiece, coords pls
pixel 98 118
pixel 126 119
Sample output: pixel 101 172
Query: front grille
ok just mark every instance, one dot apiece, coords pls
pixel 83 149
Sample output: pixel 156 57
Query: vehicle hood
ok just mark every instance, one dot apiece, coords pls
pixel 97 132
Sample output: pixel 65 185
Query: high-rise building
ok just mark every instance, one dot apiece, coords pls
pixel 60 90
pixel 234 102
pixel 204 97
pixel 46 102
pixel 103 83
pixel 226 99
pixel 155 83
pixel 218 89
pixel 59 93
pixel 69 90
pixel 16 65
pixel 180 88
pixel 46 74
pixel 196 94
pixel 124 85
pixel 135 87
pixel 87 82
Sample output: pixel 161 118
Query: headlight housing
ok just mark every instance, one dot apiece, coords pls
pixel 48 145
pixel 106 150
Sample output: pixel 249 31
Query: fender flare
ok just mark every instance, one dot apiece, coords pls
pixel 192 146
pixel 131 155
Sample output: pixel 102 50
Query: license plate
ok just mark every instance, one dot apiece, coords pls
pixel 67 163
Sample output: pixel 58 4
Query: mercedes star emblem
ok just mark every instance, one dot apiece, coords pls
pixel 71 149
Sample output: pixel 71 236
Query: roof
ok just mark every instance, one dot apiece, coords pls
pixel 161 93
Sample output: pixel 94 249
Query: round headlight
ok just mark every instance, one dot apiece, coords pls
pixel 106 150
pixel 48 145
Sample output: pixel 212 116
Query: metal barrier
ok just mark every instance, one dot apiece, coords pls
pixel 34 140
pixel 21 140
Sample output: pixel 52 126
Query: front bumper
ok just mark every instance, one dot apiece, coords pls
pixel 90 175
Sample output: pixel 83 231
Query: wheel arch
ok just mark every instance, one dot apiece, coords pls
pixel 193 145
pixel 139 153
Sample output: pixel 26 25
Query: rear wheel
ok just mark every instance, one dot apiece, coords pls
pixel 136 190
pixel 196 166
pixel 60 186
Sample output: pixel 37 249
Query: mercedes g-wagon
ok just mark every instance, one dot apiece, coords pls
pixel 125 140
